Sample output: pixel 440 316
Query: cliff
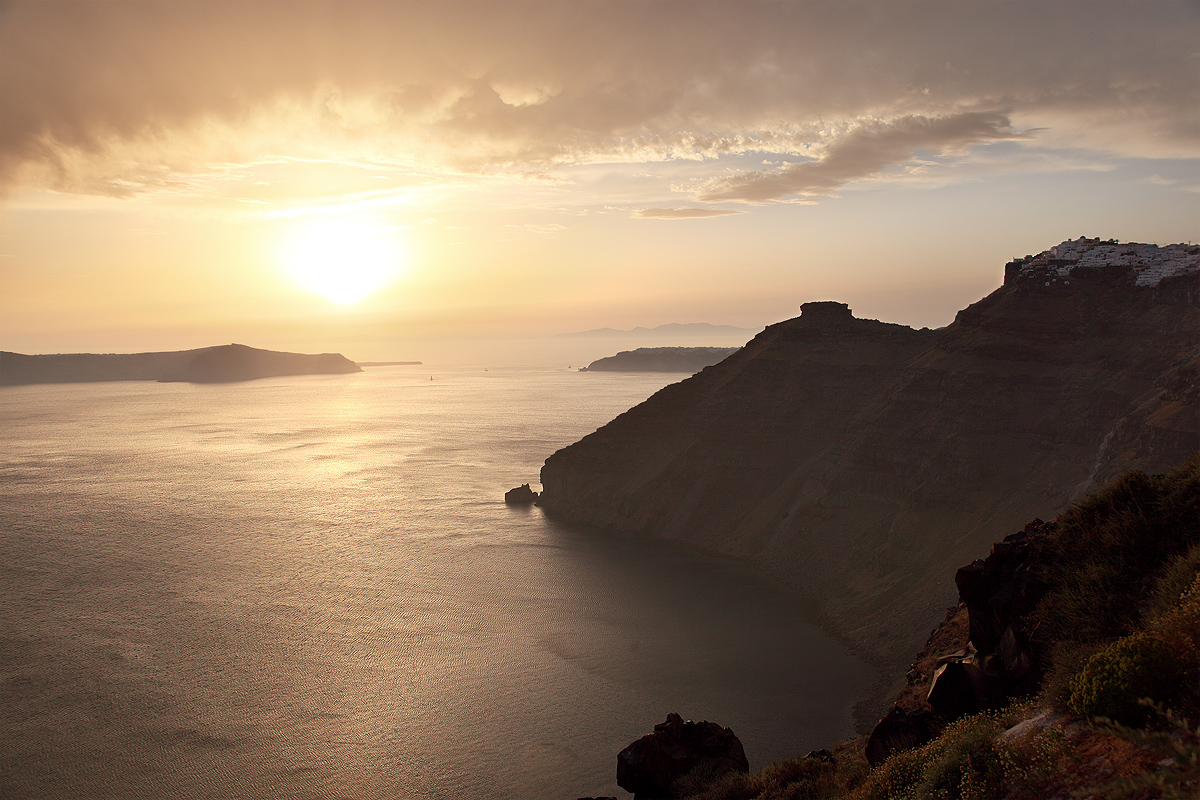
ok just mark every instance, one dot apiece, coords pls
pixel 224 363
pixel 864 462
pixel 661 359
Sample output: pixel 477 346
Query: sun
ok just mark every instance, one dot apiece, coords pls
pixel 343 260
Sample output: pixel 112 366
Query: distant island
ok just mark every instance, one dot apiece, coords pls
pixel 661 359
pixel 221 364
pixel 673 330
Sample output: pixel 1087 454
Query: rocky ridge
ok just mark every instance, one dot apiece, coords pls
pixel 865 461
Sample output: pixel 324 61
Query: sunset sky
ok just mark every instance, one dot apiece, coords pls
pixel 381 178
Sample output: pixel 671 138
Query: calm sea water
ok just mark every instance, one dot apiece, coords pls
pixel 311 588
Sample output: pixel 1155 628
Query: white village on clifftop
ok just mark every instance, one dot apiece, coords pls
pixel 1149 262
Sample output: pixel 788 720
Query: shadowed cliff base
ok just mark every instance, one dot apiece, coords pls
pixel 221 364
pixel 864 461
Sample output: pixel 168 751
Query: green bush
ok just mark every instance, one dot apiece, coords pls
pixel 1135 667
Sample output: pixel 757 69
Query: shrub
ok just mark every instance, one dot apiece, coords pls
pixel 1135 667
pixel 961 764
pixel 1032 761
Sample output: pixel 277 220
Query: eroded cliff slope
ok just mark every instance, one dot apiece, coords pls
pixel 865 461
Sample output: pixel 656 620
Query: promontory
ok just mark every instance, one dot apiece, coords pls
pixel 864 462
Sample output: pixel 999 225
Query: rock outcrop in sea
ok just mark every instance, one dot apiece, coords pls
pixel 650 766
pixel 520 496
pixel 865 462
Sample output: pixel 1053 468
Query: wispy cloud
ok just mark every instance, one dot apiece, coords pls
pixel 864 151
pixel 682 213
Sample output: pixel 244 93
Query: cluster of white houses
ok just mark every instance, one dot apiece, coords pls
pixel 1149 263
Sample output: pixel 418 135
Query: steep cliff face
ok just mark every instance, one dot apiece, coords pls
pixel 865 461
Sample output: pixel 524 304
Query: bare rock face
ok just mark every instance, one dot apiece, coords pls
pixel 650 766
pixel 870 460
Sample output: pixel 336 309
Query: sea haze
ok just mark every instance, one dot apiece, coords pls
pixel 310 588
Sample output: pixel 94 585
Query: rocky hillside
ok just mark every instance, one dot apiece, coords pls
pixel 1071 668
pixel 865 462
pixel 221 364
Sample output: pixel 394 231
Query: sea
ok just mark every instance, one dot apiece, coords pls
pixel 310 587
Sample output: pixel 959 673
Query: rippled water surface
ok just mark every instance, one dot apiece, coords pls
pixel 311 588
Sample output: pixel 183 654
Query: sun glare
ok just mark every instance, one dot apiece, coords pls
pixel 342 260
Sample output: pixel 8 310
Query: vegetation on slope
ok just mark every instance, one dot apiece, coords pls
pixel 1118 715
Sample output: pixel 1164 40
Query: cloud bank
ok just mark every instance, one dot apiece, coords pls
pixel 123 97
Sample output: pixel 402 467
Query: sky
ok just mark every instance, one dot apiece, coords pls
pixel 391 180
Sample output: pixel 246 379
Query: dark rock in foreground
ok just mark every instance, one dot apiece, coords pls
pixel 661 359
pixel 221 364
pixel 650 766
pixel 521 496
pixel 901 730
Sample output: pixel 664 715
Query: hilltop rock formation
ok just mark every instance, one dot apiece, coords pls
pixel 661 359
pixel 865 461
pixel 221 364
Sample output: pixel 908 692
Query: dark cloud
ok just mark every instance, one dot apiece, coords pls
pixel 864 151
pixel 121 94
pixel 681 213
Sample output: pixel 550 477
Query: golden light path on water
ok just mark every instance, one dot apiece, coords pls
pixel 311 588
